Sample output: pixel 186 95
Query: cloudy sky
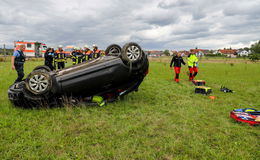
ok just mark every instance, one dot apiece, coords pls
pixel 154 24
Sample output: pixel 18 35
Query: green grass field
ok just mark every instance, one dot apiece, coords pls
pixel 164 120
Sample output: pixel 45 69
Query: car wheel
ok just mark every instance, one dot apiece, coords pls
pixel 38 83
pixel 15 94
pixel 131 52
pixel 42 68
pixel 113 50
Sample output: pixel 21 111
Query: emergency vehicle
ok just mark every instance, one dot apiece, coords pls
pixel 68 50
pixel 32 49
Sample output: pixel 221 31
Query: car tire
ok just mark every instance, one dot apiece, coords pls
pixel 139 64
pixel 113 50
pixel 15 94
pixel 38 82
pixel 43 68
pixel 131 52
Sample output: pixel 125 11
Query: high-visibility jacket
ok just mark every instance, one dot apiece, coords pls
pixel 77 57
pixel 96 53
pixel 60 56
pixel 192 60
pixel 88 54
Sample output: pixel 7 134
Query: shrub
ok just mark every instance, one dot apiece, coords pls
pixel 254 57
pixel 2 59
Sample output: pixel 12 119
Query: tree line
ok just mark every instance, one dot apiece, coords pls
pixel 6 51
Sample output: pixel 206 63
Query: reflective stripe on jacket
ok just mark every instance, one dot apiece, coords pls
pixel 60 56
pixel 96 53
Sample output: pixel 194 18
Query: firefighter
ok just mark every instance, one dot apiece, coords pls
pixel 87 52
pixel 17 61
pixel 73 57
pixel 82 56
pixel 49 58
pixel 192 65
pixel 177 60
pixel 60 57
pixel 77 56
pixel 96 52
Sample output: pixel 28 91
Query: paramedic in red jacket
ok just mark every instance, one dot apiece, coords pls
pixel 177 61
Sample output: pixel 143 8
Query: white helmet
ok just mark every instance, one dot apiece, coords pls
pixel 60 46
pixel 77 48
pixel 94 45
pixel 86 46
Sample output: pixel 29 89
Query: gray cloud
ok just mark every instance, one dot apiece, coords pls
pixel 169 4
pixel 172 24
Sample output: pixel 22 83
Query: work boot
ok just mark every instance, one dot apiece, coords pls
pixel 194 75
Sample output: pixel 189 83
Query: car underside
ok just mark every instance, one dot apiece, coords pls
pixel 118 73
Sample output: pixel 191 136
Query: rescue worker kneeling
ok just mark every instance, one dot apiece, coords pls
pixel 177 60
pixel 60 57
pixel 77 56
pixel 17 61
pixel 193 66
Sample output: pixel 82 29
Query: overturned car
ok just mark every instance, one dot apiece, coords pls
pixel 118 73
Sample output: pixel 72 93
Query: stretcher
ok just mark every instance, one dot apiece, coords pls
pixel 246 115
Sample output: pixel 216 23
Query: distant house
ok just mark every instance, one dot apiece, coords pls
pixel 184 53
pixel 155 53
pixel 215 52
pixel 228 52
pixel 146 52
pixel 243 53
pixel 200 52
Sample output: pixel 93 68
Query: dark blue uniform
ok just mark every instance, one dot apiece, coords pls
pixel 18 63
pixel 60 58
pixel 96 53
pixel 49 59
pixel 77 57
